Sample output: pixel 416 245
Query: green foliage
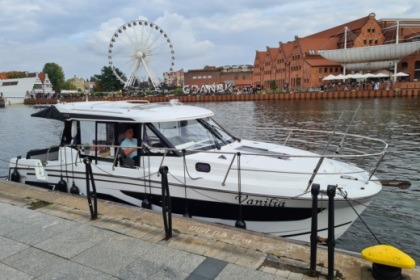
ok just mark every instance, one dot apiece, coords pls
pixel 177 91
pixel 38 204
pixel 16 74
pixel 68 85
pixel 107 81
pixel 55 74
pixel 273 85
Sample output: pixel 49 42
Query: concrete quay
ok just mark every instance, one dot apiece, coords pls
pixel 50 235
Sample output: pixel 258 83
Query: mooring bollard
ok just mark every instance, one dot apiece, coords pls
pixel 314 228
pixel 388 261
pixel 166 202
pixel 91 195
pixel 331 190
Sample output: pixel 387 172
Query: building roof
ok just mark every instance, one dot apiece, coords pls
pixel 287 49
pixel 315 44
pixel 273 53
pixel 339 30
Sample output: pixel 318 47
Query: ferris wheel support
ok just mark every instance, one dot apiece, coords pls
pixel 152 76
pixel 132 78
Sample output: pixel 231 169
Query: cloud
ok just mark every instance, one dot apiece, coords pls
pixel 183 35
pixel 76 33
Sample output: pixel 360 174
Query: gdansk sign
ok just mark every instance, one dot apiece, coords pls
pixel 213 88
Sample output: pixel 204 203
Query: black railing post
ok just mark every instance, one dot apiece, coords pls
pixel 91 195
pixel 331 239
pixel 166 202
pixel 314 228
pixel 240 222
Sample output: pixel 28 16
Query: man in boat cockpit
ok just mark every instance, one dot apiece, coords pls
pixel 129 144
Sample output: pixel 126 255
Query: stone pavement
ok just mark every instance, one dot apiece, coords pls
pixel 49 235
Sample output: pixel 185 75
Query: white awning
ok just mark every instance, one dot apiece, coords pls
pixel 355 76
pixel 329 77
pixel 371 53
pixel 401 74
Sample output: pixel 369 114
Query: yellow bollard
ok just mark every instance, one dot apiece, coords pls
pixel 387 261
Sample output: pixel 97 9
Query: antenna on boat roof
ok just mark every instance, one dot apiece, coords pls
pixel 332 134
pixel 340 146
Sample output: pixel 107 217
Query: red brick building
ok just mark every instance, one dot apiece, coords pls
pixel 236 77
pixel 298 65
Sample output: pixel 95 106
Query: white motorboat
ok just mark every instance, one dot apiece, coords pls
pixel 213 175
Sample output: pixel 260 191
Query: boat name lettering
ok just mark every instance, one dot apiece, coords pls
pixel 264 202
pixel 213 88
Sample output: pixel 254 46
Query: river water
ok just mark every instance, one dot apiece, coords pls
pixel 392 216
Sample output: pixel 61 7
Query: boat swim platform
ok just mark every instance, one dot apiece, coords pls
pixel 48 233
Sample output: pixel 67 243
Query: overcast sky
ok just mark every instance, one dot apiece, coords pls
pixel 75 34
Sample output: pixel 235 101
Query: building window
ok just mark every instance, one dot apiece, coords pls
pixel 364 41
pixel 404 65
pixel 10 83
pixel 417 69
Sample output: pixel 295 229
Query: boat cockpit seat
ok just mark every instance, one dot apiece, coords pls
pixel 124 160
pixel 121 137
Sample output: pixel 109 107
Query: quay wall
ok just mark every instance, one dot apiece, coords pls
pixel 400 92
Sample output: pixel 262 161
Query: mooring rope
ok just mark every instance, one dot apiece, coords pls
pixel 344 195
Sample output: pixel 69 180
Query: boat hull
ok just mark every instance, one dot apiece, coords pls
pixel 275 215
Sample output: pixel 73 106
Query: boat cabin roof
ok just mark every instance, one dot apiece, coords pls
pixel 131 111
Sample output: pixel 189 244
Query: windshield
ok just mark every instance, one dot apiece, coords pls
pixel 203 134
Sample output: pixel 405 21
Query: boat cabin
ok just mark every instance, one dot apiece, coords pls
pixel 101 135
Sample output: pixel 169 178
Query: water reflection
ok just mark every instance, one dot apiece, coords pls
pixel 392 216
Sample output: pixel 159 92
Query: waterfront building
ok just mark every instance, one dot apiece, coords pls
pixel 174 78
pixel 34 85
pixel 234 77
pixel 303 64
pixel 80 84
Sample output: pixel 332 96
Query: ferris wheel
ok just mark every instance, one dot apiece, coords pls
pixel 142 51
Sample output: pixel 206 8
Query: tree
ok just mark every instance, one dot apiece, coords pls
pixel 68 85
pixel 16 75
pixel 55 74
pixel 107 81
pixel 273 85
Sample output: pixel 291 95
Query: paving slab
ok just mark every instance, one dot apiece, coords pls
pixel 113 254
pixel 8 272
pixel 10 247
pixel 127 242
pixel 34 262
pixel 74 241
pixel 74 271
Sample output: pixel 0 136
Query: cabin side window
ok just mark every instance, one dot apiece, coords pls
pixel 87 135
pixel 96 137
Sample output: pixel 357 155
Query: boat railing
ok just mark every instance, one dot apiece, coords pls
pixel 368 159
